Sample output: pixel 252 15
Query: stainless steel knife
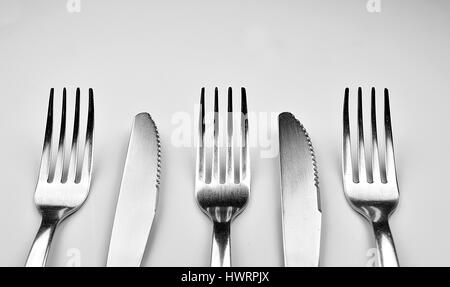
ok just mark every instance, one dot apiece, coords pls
pixel 301 211
pixel 137 201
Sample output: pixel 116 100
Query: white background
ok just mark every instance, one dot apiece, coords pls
pixel 295 56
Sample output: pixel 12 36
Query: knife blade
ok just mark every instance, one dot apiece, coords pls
pixel 301 211
pixel 136 205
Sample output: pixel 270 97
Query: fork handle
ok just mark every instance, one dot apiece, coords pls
pixel 387 256
pixel 221 247
pixel 41 245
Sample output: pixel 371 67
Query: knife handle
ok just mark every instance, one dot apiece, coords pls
pixel 41 245
pixel 221 246
pixel 387 256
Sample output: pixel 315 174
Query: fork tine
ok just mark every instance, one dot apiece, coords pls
pixel 230 154
pixel 390 160
pixel 59 167
pixel 346 150
pixel 201 139
pixel 376 171
pixel 362 173
pixel 245 155
pixel 88 150
pixel 216 159
pixel 46 152
pixel 71 177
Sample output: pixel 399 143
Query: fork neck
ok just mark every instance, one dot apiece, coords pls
pixel 41 246
pixel 221 248
pixel 387 255
pixel 377 214
pixel 54 215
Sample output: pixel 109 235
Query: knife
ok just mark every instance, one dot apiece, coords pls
pixel 137 201
pixel 301 212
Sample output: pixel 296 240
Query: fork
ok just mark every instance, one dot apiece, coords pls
pixel 223 200
pixel 372 192
pixel 62 186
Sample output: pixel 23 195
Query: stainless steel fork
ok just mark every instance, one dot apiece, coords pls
pixel 223 200
pixel 372 192
pixel 62 187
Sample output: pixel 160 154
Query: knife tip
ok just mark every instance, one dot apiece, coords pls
pixel 285 115
pixel 143 115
